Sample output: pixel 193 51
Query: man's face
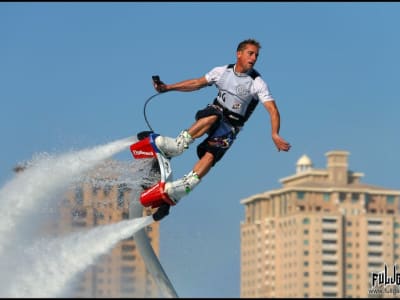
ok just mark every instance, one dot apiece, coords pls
pixel 246 59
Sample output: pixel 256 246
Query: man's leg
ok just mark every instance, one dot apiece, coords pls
pixel 201 126
pixel 181 187
pixel 204 164
pixel 172 147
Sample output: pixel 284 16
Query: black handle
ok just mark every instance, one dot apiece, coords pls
pixel 156 79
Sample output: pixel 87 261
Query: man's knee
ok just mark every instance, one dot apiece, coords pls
pixel 209 120
pixel 210 110
pixel 208 158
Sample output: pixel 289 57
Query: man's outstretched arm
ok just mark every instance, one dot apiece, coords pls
pixel 182 86
pixel 280 143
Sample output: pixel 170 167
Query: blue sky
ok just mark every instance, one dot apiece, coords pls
pixel 76 75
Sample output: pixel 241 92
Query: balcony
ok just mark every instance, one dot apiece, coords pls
pixel 374 238
pixel 330 236
pixel 375 248
pixel 330 289
pixel 330 268
pixel 329 277
pixel 329 246
pixel 330 257
pixel 330 226
pixel 373 227
pixel 375 259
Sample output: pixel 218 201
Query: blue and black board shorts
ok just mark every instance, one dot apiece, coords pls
pixel 221 134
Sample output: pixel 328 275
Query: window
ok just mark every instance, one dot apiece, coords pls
pixel 126 269
pixel 107 189
pixel 78 213
pixel 95 189
pixel 374 243
pixel 328 221
pixel 122 189
pixel 329 262
pixel 128 257
pixel 355 197
pixel 128 247
pixel 127 290
pixel 326 197
pixel 329 283
pixel 390 199
pixel 368 198
pixel 79 195
pixel 328 252
pixel 375 264
pixel 342 196
pixel 329 273
pixel 374 222
pixel 329 295
pixel 300 195
pixel 374 233
pixel 328 242
pixel 306 221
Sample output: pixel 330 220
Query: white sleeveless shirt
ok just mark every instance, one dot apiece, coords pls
pixel 238 90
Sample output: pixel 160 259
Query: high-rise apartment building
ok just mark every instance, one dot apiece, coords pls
pixel 99 201
pixel 324 233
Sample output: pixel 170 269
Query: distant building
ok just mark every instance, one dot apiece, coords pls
pixel 120 273
pixel 322 234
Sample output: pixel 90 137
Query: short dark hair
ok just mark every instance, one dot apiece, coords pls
pixel 244 43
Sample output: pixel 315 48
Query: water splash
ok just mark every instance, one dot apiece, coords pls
pixel 43 181
pixel 32 266
pixel 52 264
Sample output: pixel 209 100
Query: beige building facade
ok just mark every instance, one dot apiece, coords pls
pixel 324 233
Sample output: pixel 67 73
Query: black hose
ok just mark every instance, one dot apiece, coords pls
pixel 144 110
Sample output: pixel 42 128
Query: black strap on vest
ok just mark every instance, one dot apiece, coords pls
pixel 234 118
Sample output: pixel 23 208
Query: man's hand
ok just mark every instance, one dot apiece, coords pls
pixel 159 86
pixel 280 143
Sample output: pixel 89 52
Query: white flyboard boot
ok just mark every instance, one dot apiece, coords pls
pixel 171 147
pixel 173 192
pixel 181 187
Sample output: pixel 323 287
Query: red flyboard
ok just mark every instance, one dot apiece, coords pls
pixel 155 195
pixel 143 149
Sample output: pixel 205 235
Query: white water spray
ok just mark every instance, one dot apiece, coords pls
pixel 41 182
pixel 54 263
pixel 33 267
